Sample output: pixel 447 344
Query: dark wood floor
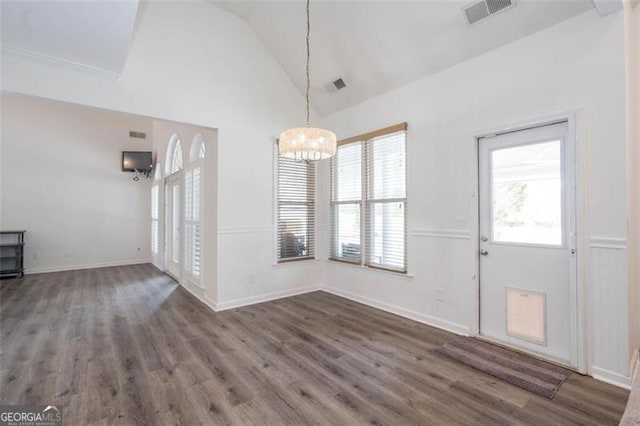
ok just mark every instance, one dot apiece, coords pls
pixel 127 345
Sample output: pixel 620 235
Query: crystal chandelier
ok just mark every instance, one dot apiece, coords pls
pixel 307 143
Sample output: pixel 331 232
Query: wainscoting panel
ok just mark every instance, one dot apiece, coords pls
pixel 247 272
pixel 439 288
pixel 608 307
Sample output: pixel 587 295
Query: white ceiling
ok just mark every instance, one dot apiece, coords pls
pixel 376 46
pixel 94 35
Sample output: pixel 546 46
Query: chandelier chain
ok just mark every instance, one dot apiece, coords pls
pixel 308 57
pixel 307 144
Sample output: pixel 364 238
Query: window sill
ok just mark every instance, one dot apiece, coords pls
pixel 376 271
pixel 291 263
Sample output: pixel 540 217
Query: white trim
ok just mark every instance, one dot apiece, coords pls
pixel 611 377
pixel 86 266
pixel 634 365
pixel 155 262
pixel 525 124
pixel 387 272
pixel 65 63
pixel 211 304
pixel 274 198
pixel 397 310
pixel 608 243
pixel 459 234
pixel 247 230
pixel 196 284
pixel 223 306
pixel 293 263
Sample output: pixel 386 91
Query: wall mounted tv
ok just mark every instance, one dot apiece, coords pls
pixel 137 161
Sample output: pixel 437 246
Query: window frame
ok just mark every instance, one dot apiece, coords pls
pixel 276 214
pixel 174 153
pixel 193 225
pixel 367 202
pixel 155 219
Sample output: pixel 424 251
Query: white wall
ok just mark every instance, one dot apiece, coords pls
pixel 62 181
pixel 575 64
pixel 191 62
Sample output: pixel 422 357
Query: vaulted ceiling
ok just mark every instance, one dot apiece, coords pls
pixel 378 45
pixel 373 45
pixel 90 35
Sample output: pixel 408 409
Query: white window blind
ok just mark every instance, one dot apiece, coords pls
pixel 155 219
pixel 346 203
pixel 193 202
pixel 369 201
pixel 296 194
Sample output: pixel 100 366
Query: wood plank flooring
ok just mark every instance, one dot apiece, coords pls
pixel 126 345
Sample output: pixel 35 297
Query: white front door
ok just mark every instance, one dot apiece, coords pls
pixel 172 224
pixel 527 244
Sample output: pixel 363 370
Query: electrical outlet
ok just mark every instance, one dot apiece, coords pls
pixel 440 294
pixel 67 254
pixel 251 279
pixel 36 256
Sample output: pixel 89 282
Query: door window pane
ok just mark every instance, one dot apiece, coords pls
pixel 527 194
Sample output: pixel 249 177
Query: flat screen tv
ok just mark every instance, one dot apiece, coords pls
pixel 137 161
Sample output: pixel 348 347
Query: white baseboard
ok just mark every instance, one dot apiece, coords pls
pixel 223 306
pixel 407 313
pixel 86 266
pixel 200 295
pixel 611 377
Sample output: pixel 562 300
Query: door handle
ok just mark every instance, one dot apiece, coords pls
pixel 485 239
pixel 483 252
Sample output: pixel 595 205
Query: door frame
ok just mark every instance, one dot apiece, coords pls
pixel 168 223
pixel 575 135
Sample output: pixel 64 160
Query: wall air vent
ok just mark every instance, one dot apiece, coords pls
pixel 139 135
pixel 480 10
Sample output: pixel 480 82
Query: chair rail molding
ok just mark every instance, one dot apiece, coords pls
pixel 613 243
pixel 459 234
pixel 245 230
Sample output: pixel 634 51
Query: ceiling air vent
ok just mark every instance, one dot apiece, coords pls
pixel 340 84
pixel 335 85
pixel 478 11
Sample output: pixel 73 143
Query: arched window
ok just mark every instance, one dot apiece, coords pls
pixel 194 208
pixel 197 150
pixel 155 211
pixel 174 155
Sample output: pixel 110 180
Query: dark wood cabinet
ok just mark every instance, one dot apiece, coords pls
pixel 12 254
